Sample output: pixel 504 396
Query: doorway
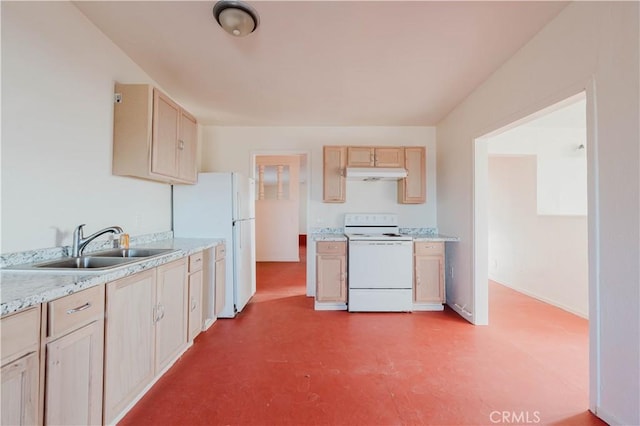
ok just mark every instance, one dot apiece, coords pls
pixel 480 269
pixel 537 209
pixel 281 205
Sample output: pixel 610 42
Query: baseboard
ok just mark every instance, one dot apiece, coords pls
pixel 327 306
pixel 544 299
pixel 419 307
pixel 609 418
pixel 462 312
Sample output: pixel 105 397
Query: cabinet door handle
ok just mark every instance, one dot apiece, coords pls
pixel 181 145
pixel 161 308
pixel 79 308
pixel 194 303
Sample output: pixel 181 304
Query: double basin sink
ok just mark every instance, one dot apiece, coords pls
pixel 98 261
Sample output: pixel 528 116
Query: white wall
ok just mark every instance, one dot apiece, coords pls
pixel 542 256
pixel 591 45
pixel 230 148
pixel 58 73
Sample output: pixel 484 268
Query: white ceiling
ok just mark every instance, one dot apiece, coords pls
pixel 337 63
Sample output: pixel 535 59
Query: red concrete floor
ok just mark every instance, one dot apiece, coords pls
pixel 282 363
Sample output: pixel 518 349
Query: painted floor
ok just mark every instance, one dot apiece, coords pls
pixel 282 363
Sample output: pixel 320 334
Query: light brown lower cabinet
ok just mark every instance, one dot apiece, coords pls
pixel 429 272
pixel 20 371
pixel 172 308
pixel 146 330
pixel 331 262
pixel 20 390
pixel 129 340
pixel 220 278
pixel 74 377
pixel 195 294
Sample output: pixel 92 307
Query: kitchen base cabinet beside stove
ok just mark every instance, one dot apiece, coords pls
pixel 331 270
pixel 428 276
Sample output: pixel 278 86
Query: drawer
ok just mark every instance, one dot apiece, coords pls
pixel 20 333
pixel 72 312
pixel 221 251
pixel 195 262
pixel 429 248
pixel 331 247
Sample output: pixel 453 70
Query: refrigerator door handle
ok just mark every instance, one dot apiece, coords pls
pixel 240 235
pixel 238 209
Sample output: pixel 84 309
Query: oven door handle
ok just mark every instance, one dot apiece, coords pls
pixel 380 243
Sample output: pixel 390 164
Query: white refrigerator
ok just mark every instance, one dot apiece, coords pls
pixel 222 205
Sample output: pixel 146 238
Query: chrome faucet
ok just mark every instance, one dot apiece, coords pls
pixel 79 242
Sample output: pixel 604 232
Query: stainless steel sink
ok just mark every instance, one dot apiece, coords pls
pixel 84 262
pixel 95 262
pixel 131 252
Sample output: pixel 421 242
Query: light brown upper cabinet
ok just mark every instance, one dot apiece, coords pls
pixel 334 162
pixel 153 137
pixel 412 189
pixel 368 156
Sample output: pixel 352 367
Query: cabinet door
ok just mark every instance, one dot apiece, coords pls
pixel 389 157
pixel 429 279
pixel 166 115
pixel 74 377
pixel 187 147
pixel 129 340
pixel 20 390
pixel 220 279
pixel 412 189
pixel 195 304
pixel 330 279
pixel 360 156
pixel 333 184
pixel 172 307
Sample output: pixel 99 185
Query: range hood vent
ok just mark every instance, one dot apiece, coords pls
pixel 375 173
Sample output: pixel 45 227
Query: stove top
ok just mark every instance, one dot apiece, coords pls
pixel 373 227
pixel 387 236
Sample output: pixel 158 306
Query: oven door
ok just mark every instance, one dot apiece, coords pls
pixel 380 264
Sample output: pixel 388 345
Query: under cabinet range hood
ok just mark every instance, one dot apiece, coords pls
pixel 375 173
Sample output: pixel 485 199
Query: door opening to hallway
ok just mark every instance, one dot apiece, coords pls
pixel 532 235
pixel 278 209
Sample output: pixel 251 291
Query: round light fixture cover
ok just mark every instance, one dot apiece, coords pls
pixel 235 17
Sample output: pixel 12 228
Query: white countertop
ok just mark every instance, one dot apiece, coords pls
pixel 20 289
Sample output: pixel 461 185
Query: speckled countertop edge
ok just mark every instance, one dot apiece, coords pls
pixel 329 237
pixel 418 234
pixel 21 289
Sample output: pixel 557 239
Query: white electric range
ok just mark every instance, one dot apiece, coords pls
pixel 380 264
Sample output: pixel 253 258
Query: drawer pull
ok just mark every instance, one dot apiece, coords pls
pixel 79 308
pixel 198 260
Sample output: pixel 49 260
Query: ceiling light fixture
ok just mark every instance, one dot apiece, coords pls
pixel 235 17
